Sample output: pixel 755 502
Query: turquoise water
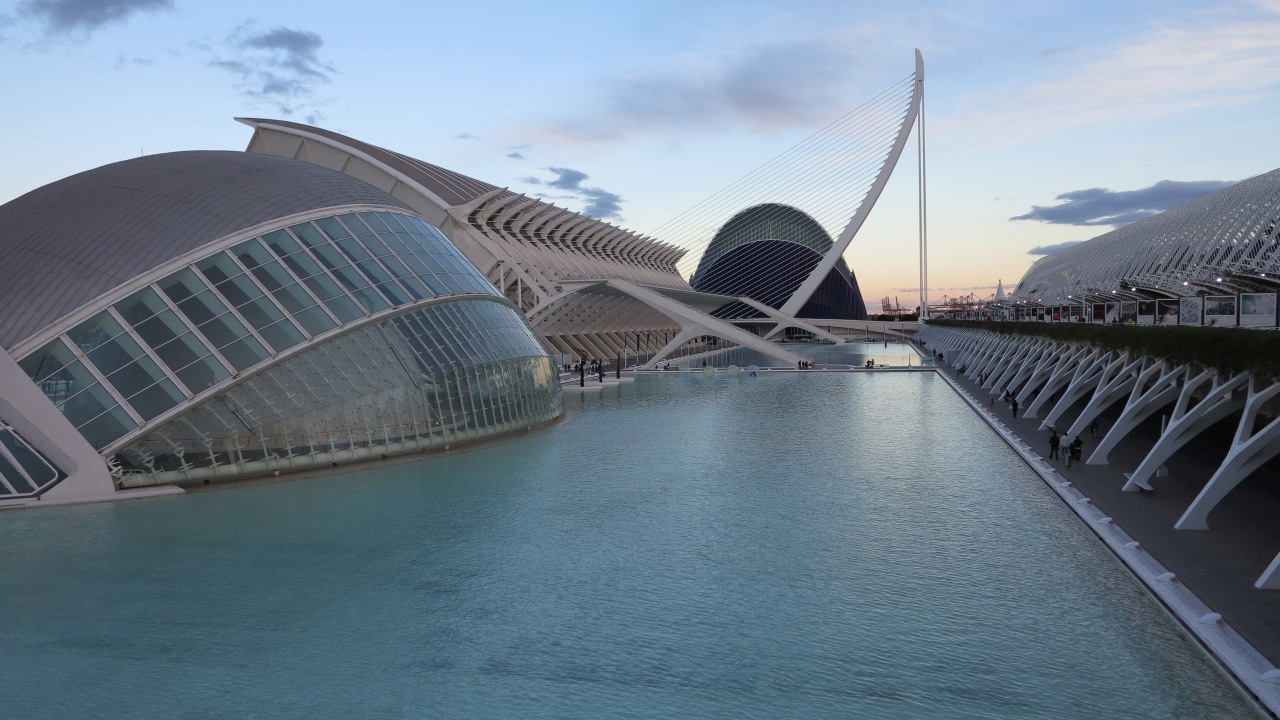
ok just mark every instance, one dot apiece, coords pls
pixel 794 545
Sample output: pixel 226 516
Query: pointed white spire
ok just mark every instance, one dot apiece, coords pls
pixel 999 291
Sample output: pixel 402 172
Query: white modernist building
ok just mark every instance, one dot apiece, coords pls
pixel 199 316
pixel 1212 261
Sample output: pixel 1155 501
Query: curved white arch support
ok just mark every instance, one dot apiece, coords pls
pixel 1187 421
pixel 1034 370
pixel 1121 382
pixel 1086 379
pixel 1249 450
pixel 1146 398
pixel 1059 378
pixel 819 273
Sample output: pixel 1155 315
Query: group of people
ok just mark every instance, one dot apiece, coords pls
pixel 1071 452
pixel 803 364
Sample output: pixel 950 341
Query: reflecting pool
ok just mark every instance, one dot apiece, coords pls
pixel 793 545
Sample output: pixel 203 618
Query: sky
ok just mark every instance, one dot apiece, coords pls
pixel 1047 123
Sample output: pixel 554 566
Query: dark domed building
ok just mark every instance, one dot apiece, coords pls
pixel 765 252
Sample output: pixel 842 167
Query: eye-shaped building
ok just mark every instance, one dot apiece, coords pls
pixel 212 315
pixel 765 252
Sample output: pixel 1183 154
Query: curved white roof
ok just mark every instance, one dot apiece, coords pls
pixel 66 243
pixel 1225 243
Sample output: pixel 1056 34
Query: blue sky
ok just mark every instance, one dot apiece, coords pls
pixel 1048 123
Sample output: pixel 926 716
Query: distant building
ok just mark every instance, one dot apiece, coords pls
pixel 765 252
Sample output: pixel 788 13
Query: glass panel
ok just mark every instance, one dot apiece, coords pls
pixel 9 472
pixel 333 228
pixel 355 225
pixel 314 320
pixel 218 268
pixel 115 354
pixel 282 243
pixel 244 353
pixel 374 221
pixel 395 223
pixel 309 235
pixel 134 377
pixel 154 400
pixel 37 468
pixel 87 404
pixel 108 426
pixel 95 331
pixel 281 335
pixel 139 306
pixel 47 361
pixel 202 374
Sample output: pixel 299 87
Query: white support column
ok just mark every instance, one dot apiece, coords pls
pixel 1085 381
pixel 28 411
pixel 1186 422
pixel 1039 375
pixel 1018 355
pixel 1249 450
pixel 1059 378
pixel 1123 375
pixel 1146 398
pixel 1027 366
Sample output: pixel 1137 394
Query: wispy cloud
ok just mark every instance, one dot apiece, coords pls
pixel 465 136
pixel 1051 249
pixel 515 156
pixel 600 203
pixel 1100 206
pixel 280 66
pixel 82 17
pixel 1220 57
pixel 759 86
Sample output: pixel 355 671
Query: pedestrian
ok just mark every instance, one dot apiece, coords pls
pixel 1077 448
pixel 1093 428
pixel 1054 443
pixel 1013 405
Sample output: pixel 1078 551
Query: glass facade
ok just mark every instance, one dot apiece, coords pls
pixel 23 471
pixel 239 308
pixel 444 373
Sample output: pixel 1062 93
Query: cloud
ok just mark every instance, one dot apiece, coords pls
pixel 280 66
pixel 465 136
pixel 600 203
pixel 1222 56
pixel 1051 249
pixel 122 60
pixel 567 178
pixel 515 156
pixel 1100 206
pixel 82 17
pixel 761 86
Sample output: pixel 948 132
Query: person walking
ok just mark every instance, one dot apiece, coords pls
pixel 1077 449
pixel 1013 405
pixel 1093 428
pixel 1054 443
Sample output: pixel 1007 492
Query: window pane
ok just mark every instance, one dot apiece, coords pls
pixel 132 378
pixel 95 331
pixel 332 228
pixel 202 374
pixel 156 399
pixel 314 320
pixel 35 465
pixel 108 426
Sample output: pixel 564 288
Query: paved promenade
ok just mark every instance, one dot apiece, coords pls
pixel 1219 565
